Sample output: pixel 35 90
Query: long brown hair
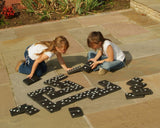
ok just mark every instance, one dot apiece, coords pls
pixel 58 42
pixel 95 37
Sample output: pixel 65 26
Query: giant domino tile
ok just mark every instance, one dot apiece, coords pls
pixel 65 88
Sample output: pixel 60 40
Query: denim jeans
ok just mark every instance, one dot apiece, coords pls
pixel 26 67
pixel 109 66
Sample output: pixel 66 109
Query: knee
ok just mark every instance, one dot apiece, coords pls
pixel 106 65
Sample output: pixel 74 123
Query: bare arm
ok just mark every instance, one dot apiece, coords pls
pixel 110 57
pixel 35 64
pixel 98 55
pixel 61 61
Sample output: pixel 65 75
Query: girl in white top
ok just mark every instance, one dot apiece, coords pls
pixel 109 57
pixel 36 54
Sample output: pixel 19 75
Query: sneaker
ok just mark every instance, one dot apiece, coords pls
pixel 18 65
pixel 102 71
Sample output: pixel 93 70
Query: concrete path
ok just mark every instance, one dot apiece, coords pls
pixel 138 35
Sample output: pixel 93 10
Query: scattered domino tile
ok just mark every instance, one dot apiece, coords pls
pixel 28 109
pixel 133 96
pixel 75 112
pixel 135 81
pixel 87 67
pixel 29 81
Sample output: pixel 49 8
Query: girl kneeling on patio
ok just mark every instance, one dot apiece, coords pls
pixel 108 57
pixel 36 54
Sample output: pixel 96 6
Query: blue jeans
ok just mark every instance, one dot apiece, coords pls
pixel 26 67
pixel 109 66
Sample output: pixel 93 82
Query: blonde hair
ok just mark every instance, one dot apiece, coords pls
pixel 58 42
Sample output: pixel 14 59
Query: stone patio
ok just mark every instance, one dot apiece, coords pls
pixel 138 39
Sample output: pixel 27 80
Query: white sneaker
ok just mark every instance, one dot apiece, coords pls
pixel 102 71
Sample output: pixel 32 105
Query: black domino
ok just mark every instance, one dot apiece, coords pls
pixel 28 109
pixel 135 81
pixel 29 81
pixel 87 67
pixel 133 96
pixel 31 110
pixel 143 91
pixel 55 79
pixel 75 70
pixel 76 112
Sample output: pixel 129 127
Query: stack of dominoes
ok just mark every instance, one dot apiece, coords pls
pixel 137 87
pixel 24 108
pixel 87 67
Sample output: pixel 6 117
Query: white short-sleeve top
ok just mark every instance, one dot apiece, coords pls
pixel 35 49
pixel 118 53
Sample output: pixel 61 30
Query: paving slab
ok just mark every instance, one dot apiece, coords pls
pixel 2 64
pixel 155 29
pixel 81 34
pixel 30 30
pixel 46 27
pixel 99 19
pixel 124 29
pixel 4 78
pixel 139 18
pixel 7 100
pixel 74 45
pixel 11 59
pixel 141 115
pixel 142 49
pixel 139 38
pixel 7 34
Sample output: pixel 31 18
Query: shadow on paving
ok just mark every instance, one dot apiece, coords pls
pixel 71 61
pixel 128 57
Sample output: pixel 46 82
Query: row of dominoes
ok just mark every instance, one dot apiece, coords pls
pixel 137 87
pixel 92 94
pixel 86 67
pixel 28 109
pixel 71 87
pixel 55 81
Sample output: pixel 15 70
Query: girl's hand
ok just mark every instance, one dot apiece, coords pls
pixel 92 59
pixel 30 76
pixel 94 64
pixel 68 69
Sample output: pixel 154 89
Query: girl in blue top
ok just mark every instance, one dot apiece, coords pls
pixel 109 57
pixel 36 54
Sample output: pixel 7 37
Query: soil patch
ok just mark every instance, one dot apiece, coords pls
pixel 25 18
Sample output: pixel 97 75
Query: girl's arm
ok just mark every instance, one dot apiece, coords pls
pixel 98 55
pixel 110 57
pixel 95 62
pixel 61 61
pixel 35 64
